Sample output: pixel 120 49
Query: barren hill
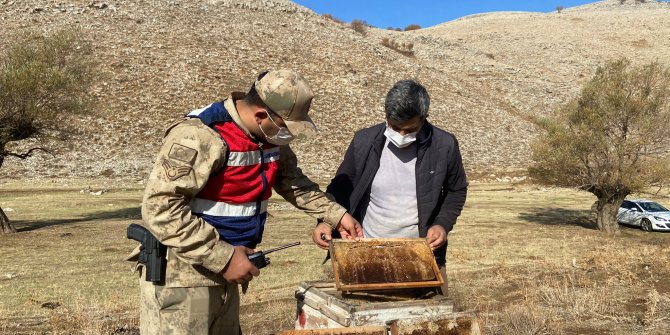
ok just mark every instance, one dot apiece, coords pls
pixel 485 73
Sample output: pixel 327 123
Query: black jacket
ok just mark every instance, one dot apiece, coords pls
pixel 441 184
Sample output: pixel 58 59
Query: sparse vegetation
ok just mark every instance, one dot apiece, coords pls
pixel 360 26
pixel 559 9
pixel 539 273
pixel 641 43
pixel 412 27
pixel 612 140
pixel 408 28
pixel 526 319
pixel 651 307
pixel 406 49
pixel 42 80
pixel 332 18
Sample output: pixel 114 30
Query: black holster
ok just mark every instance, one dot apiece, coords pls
pixel 152 253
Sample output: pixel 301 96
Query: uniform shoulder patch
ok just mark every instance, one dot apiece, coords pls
pixel 173 171
pixel 182 153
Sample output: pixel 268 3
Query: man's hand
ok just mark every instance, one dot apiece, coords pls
pixel 436 236
pixel 239 269
pixel 349 227
pixel 325 230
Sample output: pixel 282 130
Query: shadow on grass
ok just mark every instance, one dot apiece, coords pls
pixel 123 213
pixel 561 216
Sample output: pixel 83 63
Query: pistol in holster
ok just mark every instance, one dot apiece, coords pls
pixel 152 253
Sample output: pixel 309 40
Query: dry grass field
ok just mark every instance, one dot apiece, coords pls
pixel 527 259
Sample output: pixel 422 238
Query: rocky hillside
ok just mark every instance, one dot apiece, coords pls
pixel 486 73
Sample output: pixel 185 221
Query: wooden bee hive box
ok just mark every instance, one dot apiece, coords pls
pixel 321 306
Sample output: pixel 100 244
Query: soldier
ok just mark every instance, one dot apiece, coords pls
pixel 206 200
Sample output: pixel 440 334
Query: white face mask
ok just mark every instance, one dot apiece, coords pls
pixel 282 137
pixel 398 140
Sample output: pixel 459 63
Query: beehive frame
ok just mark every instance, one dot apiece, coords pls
pixel 351 257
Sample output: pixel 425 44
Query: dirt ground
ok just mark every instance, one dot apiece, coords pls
pixel 527 259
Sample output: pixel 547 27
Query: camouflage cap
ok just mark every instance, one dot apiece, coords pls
pixel 288 94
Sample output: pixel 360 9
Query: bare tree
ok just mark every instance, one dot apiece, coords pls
pixel 612 140
pixel 43 79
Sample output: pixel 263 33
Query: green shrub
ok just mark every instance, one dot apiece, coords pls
pixel 42 78
pixel 611 140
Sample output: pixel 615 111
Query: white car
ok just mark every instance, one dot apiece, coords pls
pixel 647 214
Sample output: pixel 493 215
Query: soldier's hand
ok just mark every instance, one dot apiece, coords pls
pixel 349 227
pixel 436 236
pixel 322 229
pixel 239 269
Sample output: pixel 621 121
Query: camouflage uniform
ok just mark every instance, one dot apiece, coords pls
pixel 195 298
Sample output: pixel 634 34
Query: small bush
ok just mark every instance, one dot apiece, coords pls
pixel 559 8
pixel 359 26
pixel 332 18
pixel 403 48
pixel 43 78
pixel 412 27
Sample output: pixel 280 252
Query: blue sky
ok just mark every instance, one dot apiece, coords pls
pixel 426 13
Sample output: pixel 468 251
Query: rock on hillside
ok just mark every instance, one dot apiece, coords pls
pixel 486 74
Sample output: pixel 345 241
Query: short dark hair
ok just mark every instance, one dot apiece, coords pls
pixel 406 100
pixel 252 96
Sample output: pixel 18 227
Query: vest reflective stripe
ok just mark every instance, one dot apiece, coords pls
pixel 252 157
pixel 219 208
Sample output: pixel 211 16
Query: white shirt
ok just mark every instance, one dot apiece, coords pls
pixel 392 211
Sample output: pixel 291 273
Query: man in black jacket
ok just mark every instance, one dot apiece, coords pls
pixel 402 178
